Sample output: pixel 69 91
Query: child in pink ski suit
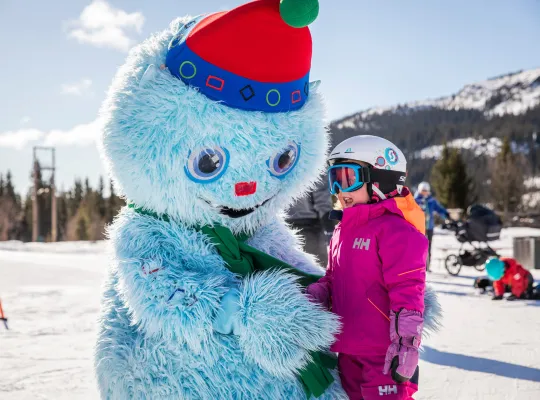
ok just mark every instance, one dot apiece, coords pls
pixel 375 279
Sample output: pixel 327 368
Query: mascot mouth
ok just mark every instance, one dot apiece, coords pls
pixel 237 212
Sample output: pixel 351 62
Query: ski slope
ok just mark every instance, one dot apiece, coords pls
pixel 51 292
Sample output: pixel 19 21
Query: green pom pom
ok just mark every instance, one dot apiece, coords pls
pixel 299 13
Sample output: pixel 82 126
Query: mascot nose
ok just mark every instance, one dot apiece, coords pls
pixel 245 188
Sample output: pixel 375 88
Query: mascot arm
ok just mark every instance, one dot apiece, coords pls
pixel 277 325
pixel 171 302
pixel 278 240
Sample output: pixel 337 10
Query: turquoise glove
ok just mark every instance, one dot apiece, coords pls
pixel 226 321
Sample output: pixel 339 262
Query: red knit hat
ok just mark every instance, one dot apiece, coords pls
pixel 254 57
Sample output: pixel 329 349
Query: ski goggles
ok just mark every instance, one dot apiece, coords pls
pixel 347 177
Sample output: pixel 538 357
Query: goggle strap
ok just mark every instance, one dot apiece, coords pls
pixel 365 175
pixel 386 177
pixel 378 192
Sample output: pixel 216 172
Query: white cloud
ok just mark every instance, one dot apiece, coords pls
pixel 102 25
pixel 79 135
pixel 78 88
pixel 19 139
pixel 25 120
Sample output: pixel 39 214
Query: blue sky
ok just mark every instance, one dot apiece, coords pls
pixel 60 56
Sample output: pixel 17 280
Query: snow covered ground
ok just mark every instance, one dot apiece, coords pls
pixel 486 349
pixel 50 293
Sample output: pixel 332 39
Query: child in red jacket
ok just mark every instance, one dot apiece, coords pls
pixel 507 271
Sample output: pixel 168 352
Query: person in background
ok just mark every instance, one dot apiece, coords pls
pixel 310 216
pixel 507 271
pixel 429 205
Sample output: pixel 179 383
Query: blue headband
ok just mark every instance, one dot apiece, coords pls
pixel 231 89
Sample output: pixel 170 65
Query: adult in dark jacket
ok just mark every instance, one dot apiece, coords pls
pixel 430 206
pixel 310 216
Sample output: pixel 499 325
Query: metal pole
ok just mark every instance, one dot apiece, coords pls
pixel 54 232
pixel 35 202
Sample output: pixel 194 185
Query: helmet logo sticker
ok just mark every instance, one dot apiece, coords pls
pixel 380 162
pixel 391 156
pixel 349 150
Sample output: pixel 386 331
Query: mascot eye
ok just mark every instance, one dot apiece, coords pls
pixel 282 163
pixel 207 165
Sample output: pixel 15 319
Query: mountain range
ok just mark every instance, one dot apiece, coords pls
pixel 475 119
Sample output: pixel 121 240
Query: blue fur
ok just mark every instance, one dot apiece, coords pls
pixel 166 280
pixel 432 312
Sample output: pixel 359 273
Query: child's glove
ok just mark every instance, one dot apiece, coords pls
pixel 405 334
pixel 319 293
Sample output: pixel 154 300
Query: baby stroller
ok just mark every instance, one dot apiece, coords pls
pixel 481 226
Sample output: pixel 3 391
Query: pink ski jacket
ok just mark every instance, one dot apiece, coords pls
pixel 376 263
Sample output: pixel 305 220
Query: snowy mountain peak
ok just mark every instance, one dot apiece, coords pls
pixel 508 94
pixel 512 93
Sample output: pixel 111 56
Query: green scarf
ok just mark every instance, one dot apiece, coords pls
pixel 242 259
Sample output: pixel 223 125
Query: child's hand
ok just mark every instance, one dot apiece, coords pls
pixel 319 294
pixel 405 334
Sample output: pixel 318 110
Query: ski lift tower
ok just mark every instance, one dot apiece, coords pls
pixel 37 192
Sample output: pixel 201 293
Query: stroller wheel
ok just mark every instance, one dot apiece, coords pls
pixel 452 264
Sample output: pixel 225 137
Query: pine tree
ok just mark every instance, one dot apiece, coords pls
pixel 9 189
pixel 462 186
pixel 87 189
pixel 76 198
pixel 450 180
pixel 507 185
pixel 82 230
pixel 113 204
pixel 440 176
pixel 10 209
pixel 101 198
pixel 45 206
pixel 27 212
pixel 62 215
pixel 89 197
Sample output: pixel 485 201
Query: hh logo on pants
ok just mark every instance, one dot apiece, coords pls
pixel 387 390
pixel 361 244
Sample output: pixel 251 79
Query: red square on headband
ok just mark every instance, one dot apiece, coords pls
pixel 215 83
pixel 296 96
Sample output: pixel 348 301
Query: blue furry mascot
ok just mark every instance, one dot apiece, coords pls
pixel 211 128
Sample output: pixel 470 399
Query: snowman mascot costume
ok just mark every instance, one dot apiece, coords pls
pixel 211 128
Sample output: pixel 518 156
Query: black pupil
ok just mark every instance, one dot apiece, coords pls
pixel 208 163
pixel 285 159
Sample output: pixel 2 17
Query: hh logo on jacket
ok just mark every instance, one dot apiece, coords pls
pixel 361 244
pixel 387 390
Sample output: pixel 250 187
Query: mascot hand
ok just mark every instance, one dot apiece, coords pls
pixel 279 325
pixel 226 321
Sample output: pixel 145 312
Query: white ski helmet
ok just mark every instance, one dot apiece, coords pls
pixel 424 187
pixel 388 166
